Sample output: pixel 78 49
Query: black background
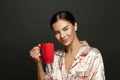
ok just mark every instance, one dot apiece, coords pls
pixel 25 23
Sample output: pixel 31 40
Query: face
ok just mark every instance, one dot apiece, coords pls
pixel 64 31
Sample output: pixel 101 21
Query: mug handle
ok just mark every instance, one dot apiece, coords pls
pixel 41 59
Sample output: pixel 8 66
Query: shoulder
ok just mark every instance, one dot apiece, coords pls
pixel 58 55
pixel 95 50
pixel 95 53
pixel 90 49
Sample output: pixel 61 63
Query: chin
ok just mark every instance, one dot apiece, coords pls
pixel 66 44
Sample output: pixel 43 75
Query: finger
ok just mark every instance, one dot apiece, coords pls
pixel 35 54
pixel 34 50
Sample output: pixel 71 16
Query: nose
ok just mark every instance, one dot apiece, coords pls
pixel 62 35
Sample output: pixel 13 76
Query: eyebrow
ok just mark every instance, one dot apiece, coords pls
pixel 65 27
pixel 62 28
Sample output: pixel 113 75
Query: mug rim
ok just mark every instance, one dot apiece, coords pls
pixel 48 43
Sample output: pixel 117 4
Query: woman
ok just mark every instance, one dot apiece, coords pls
pixel 77 60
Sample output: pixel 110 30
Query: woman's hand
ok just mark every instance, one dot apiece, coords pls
pixel 35 53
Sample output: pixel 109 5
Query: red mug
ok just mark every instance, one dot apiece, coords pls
pixel 47 52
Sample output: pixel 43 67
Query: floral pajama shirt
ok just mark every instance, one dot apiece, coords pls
pixel 87 65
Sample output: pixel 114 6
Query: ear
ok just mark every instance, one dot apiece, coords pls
pixel 75 26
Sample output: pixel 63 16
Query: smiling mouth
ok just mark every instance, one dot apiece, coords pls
pixel 64 41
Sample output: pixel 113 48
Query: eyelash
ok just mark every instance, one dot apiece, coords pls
pixel 56 33
pixel 63 29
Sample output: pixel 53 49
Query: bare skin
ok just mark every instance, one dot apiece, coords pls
pixel 70 55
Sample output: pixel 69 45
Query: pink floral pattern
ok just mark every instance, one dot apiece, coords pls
pixel 87 65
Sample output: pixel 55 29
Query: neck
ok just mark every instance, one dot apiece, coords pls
pixel 74 47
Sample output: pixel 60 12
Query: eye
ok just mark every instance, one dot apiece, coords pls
pixel 65 28
pixel 56 32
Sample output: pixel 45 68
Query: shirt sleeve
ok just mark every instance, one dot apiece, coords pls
pixel 98 72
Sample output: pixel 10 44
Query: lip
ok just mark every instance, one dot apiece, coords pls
pixel 64 40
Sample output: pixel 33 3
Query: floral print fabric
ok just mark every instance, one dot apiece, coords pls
pixel 87 65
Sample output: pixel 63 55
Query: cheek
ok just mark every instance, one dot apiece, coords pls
pixel 70 32
pixel 57 37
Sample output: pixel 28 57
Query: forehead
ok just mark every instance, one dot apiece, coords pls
pixel 60 24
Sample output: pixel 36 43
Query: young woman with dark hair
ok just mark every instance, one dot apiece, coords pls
pixel 77 60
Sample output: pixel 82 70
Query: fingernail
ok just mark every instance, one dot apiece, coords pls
pixel 39 45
